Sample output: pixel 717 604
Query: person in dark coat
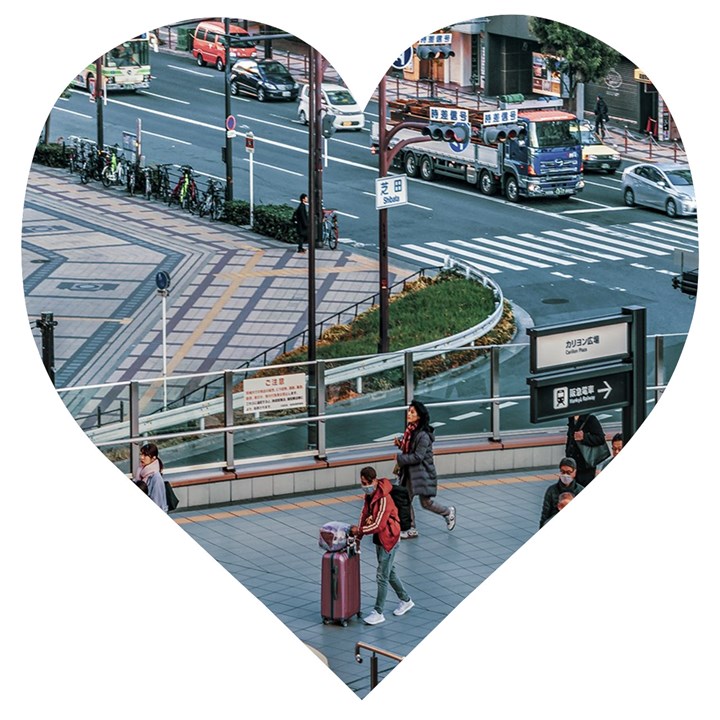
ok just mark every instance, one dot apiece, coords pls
pixel 601 116
pixel 416 467
pixel 300 218
pixel 583 430
pixel 567 483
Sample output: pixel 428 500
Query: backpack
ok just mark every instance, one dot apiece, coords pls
pixel 401 498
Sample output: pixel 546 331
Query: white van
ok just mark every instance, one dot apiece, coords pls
pixel 336 100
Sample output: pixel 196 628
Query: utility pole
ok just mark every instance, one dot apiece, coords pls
pixel 315 221
pixel 229 189
pixel 99 99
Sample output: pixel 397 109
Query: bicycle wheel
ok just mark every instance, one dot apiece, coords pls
pixel 218 208
pixel 334 234
pixel 131 180
pixel 84 174
pixel 204 206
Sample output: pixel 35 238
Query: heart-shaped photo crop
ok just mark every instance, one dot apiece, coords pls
pixel 281 308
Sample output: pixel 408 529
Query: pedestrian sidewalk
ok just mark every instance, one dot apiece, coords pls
pixel 90 256
pixel 272 548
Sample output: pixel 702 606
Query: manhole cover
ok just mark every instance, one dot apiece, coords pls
pixel 555 301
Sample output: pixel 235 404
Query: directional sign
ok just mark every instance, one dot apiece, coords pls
pixel 403 60
pixel 391 191
pixel 574 393
pixel 590 341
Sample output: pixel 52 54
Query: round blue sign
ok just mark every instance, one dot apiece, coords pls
pixel 404 59
pixel 460 146
pixel 230 122
pixel 162 280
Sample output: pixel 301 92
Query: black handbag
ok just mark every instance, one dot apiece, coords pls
pixel 593 455
pixel 172 499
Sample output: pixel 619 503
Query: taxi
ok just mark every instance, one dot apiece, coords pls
pixel 595 153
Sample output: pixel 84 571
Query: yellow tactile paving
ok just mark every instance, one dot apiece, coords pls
pixel 321 501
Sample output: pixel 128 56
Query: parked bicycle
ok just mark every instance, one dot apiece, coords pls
pixel 212 202
pixel 185 193
pixel 330 230
pixel 113 172
pixel 92 165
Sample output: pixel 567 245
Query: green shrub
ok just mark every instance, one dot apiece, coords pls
pixel 52 155
pixel 237 212
pixel 275 221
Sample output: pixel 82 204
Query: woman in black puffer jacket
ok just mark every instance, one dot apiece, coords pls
pixel 416 468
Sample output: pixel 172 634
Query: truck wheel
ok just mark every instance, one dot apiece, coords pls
pixel 426 168
pixel 411 165
pixel 487 184
pixel 511 189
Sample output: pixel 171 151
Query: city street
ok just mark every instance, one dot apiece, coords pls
pixel 559 259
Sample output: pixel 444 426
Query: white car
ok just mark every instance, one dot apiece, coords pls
pixel 665 186
pixel 336 100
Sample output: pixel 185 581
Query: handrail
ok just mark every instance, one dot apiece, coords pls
pixel 373 659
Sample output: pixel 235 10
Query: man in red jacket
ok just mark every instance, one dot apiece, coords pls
pixel 379 518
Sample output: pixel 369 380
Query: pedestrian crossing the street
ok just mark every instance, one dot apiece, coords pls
pixel 553 249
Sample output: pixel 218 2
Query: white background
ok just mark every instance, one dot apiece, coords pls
pixel 110 611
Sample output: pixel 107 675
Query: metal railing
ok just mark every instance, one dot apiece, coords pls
pixel 469 379
pixel 374 673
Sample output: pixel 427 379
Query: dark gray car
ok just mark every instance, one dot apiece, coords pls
pixel 265 79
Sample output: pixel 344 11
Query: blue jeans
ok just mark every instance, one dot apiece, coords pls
pixel 386 575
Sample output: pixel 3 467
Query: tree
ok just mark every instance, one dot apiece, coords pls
pixel 583 57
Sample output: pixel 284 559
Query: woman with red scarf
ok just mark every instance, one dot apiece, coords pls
pixel 417 467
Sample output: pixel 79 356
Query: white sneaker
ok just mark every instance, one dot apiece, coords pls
pixel 403 607
pixel 374 618
pixel 450 518
pixel 406 534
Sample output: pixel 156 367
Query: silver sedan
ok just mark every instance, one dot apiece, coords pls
pixel 665 186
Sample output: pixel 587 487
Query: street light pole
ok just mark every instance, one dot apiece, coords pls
pixel 384 343
pixel 385 156
pixel 99 98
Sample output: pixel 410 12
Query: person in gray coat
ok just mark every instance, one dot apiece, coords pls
pixel 416 467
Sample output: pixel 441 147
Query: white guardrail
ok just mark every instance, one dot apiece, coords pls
pixel 155 423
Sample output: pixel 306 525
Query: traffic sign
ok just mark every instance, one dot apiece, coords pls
pixel 230 123
pixel 162 281
pixel 249 143
pixel 560 395
pixel 441 113
pixel 404 59
pixel 459 146
pixel 391 191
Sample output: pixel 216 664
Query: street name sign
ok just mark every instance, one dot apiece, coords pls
pixel 575 393
pixel 498 117
pixel 439 113
pixel 591 341
pixel 436 39
pixel 391 191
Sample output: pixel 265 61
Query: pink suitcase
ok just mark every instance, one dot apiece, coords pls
pixel 340 586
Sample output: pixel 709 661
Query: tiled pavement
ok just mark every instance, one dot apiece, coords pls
pixel 272 549
pixel 90 257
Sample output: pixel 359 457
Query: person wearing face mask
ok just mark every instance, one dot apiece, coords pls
pixel 379 518
pixel 566 484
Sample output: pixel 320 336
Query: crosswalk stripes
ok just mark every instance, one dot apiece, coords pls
pixel 552 248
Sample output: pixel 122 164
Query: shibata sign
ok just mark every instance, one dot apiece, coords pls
pixel 592 341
